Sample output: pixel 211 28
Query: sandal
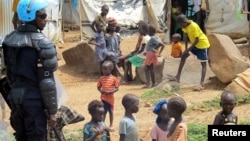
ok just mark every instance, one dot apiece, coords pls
pixel 198 88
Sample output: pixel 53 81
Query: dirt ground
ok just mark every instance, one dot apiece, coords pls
pixel 81 89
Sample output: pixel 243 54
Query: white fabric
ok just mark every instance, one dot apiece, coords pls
pixel 197 4
pixel 231 25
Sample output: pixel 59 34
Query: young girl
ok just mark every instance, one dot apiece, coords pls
pixel 95 129
pixel 163 122
pixel 128 129
pixel 107 85
pixel 178 129
pixel 136 57
pixel 226 116
pixel 151 56
pixel 100 45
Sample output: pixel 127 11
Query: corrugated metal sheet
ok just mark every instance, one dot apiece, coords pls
pixel 6 14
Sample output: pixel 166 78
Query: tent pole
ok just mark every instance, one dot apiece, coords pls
pixel 80 18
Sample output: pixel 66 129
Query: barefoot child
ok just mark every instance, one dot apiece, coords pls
pixel 138 56
pixel 226 116
pixel 107 85
pixel 95 129
pixel 151 57
pixel 160 130
pixel 176 50
pixel 128 129
pixel 199 47
pixel 178 130
pixel 100 46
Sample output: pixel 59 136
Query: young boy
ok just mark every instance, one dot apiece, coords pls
pixel 176 46
pixel 128 129
pixel 151 56
pixel 107 85
pixel 226 116
pixel 199 47
pixel 101 18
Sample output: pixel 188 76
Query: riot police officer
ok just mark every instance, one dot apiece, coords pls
pixel 30 58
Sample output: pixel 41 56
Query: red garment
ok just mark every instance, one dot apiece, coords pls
pixel 151 58
pixel 108 83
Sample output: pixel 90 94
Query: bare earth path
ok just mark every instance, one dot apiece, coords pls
pixel 81 89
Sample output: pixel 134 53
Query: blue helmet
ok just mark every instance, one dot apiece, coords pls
pixel 27 9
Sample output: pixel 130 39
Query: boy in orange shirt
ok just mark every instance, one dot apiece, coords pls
pixel 176 46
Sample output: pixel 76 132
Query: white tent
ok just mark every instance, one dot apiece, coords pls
pixel 127 12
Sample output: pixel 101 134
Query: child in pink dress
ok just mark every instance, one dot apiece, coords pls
pixel 160 129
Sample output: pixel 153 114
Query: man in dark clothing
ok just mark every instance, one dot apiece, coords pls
pixel 30 59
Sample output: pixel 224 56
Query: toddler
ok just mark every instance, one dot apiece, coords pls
pixel 226 116
pixel 176 46
pixel 107 85
pixel 128 129
pixel 95 129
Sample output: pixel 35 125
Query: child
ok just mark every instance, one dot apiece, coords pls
pixel 64 116
pixel 176 46
pixel 226 116
pixel 113 46
pixel 101 18
pixel 151 57
pixel 160 130
pixel 178 129
pixel 199 48
pixel 95 129
pixel 100 45
pixel 128 129
pixel 107 85
pixel 137 57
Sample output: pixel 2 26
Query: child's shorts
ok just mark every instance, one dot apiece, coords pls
pixel 136 60
pixel 201 54
pixel 151 58
pixel 107 106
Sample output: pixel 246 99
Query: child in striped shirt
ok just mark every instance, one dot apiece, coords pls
pixel 107 85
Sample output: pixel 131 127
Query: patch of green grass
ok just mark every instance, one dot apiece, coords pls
pixel 215 103
pixel 243 99
pixel 73 135
pixel 154 95
pixel 244 122
pixel 197 132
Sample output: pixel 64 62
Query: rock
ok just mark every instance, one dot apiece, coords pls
pixel 140 73
pixel 81 56
pixel 241 84
pixel 226 61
